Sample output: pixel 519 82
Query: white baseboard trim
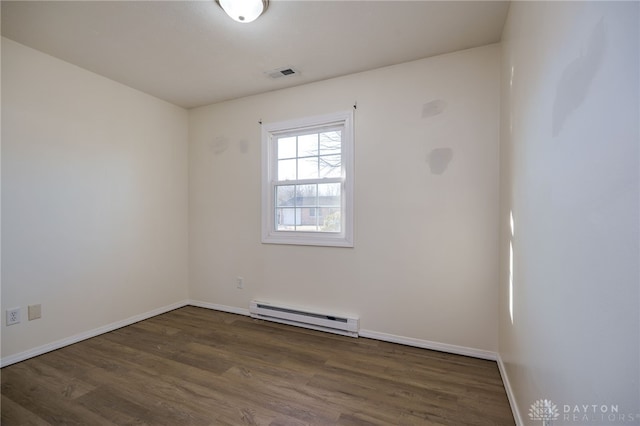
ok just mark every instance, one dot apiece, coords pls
pixel 510 395
pixel 22 356
pixel 216 307
pixel 426 344
pixel 409 341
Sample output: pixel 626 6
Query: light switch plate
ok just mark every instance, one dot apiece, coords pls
pixel 35 312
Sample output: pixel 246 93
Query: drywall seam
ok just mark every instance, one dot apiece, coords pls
pixel 22 356
pixel 510 395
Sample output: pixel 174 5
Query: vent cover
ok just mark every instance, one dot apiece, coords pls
pixel 282 72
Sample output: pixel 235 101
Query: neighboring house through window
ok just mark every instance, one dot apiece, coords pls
pixel 307 181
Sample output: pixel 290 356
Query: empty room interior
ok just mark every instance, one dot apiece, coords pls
pixel 472 197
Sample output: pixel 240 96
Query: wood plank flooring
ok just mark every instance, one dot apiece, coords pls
pixel 195 366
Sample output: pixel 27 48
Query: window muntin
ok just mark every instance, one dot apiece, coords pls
pixel 307 181
pixel 307 207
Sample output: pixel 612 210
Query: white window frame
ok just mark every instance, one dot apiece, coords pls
pixel 270 134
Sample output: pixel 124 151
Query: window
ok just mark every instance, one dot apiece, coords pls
pixel 307 181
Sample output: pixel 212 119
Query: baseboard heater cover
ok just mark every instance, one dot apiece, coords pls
pixel 345 325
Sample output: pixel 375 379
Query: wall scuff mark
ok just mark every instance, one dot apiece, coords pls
pixel 219 145
pixel 439 159
pixel 433 108
pixel 576 79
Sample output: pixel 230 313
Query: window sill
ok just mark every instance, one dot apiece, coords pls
pixel 306 239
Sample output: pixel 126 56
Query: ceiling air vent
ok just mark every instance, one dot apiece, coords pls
pixel 282 72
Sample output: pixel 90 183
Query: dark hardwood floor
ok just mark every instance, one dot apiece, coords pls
pixel 195 366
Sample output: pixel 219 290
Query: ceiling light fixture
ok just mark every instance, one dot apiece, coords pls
pixel 244 11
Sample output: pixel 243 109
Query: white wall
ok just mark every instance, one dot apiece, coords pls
pixel 94 199
pixel 570 140
pixel 424 264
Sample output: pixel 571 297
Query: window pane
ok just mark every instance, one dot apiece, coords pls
pixel 285 196
pixel 307 220
pixel 329 200
pixel 330 166
pixel 308 168
pixel 331 220
pixel 306 195
pixel 285 219
pixel 287 169
pixel 287 147
pixel 308 145
pixel 331 142
pixel 331 190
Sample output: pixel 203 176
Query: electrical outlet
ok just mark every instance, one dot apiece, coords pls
pixel 240 283
pixel 13 316
pixel 34 312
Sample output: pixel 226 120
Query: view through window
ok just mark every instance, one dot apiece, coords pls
pixel 307 181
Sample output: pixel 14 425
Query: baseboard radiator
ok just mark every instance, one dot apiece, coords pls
pixel 345 325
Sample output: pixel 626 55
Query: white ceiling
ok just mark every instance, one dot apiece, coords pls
pixel 190 53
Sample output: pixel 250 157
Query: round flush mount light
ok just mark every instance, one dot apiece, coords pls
pixel 244 11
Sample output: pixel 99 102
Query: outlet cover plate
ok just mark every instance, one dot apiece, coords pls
pixel 13 316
